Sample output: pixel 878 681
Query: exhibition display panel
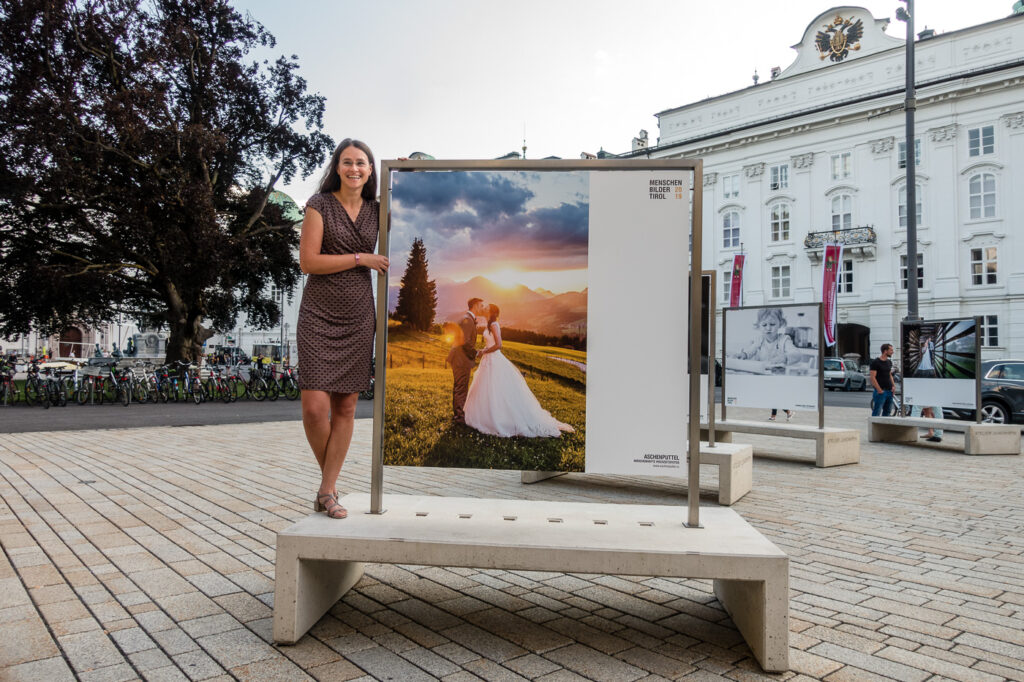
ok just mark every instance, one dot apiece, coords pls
pixel 772 357
pixel 585 267
pixel 941 363
pixel 579 275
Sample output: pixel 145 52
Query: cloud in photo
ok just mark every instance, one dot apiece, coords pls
pixel 476 222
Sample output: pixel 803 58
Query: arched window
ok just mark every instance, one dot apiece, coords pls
pixel 982 189
pixel 780 222
pixel 842 212
pixel 902 200
pixel 730 230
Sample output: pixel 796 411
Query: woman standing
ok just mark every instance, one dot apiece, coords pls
pixel 336 318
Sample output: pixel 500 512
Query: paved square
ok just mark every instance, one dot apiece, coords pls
pixel 148 554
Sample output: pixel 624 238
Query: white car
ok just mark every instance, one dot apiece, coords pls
pixel 843 374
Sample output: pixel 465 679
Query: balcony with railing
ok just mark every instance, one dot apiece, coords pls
pixel 858 242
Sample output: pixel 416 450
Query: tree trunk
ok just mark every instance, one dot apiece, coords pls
pixel 187 334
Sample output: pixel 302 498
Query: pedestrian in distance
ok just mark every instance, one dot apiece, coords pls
pixel 882 382
pixel 336 322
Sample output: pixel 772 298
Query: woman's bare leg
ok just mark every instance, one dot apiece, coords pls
pixel 316 420
pixel 343 414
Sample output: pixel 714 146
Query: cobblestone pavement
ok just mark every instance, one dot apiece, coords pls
pixel 149 554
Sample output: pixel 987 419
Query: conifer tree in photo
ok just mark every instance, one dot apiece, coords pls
pixel 417 297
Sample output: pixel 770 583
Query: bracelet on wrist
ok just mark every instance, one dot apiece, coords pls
pixel 357 260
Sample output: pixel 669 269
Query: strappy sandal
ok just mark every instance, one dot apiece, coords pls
pixel 330 506
pixel 318 506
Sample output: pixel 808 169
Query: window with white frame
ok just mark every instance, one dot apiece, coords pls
pixel 989 331
pixel 982 191
pixel 842 165
pixel 730 230
pixel 981 141
pixel 730 186
pixel 726 287
pixel 779 176
pixel 902 201
pixel 275 293
pixel 844 283
pixel 984 265
pixel 842 212
pixel 920 271
pixel 780 281
pixel 902 154
pixel 780 222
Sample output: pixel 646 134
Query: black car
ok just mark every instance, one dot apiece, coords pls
pixel 1002 393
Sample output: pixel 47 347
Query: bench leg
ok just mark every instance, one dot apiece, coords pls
pixel 304 590
pixel 990 439
pixel 760 610
pixel 890 433
pixel 735 478
pixel 536 476
pixel 720 436
pixel 837 448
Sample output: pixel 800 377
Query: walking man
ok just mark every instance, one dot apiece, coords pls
pixel 882 382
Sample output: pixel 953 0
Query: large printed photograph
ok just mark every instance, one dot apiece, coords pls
pixel 940 350
pixel 940 363
pixel 771 356
pixel 487 320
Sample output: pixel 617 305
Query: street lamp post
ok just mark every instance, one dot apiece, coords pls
pixel 910 106
pixel 283 324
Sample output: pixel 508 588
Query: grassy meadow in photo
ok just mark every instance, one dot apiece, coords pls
pixel 418 430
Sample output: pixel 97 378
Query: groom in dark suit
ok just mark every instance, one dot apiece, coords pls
pixel 462 358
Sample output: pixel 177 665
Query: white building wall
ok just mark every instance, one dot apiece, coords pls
pixel 748 131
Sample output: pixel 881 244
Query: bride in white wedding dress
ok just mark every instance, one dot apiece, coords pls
pixel 499 401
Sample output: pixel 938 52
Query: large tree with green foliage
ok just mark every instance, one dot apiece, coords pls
pixel 139 142
pixel 417 297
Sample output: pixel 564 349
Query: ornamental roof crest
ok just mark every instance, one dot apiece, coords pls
pixel 839 37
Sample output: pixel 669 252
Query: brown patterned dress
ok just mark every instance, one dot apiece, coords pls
pixel 336 317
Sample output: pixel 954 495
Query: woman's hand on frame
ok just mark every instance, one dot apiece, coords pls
pixel 375 262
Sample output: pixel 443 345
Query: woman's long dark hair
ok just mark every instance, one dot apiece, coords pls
pixel 492 316
pixel 331 181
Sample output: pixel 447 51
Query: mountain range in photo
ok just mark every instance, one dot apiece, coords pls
pixel 537 310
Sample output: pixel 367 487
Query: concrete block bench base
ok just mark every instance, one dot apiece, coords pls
pixel 979 439
pixel 833 446
pixel 319 559
pixel 735 470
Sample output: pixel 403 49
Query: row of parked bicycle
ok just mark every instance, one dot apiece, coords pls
pixel 57 384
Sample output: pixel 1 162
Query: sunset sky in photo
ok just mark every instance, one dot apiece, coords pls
pixel 511 227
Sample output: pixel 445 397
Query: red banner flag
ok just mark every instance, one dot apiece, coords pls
pixel 829 278
pixel 736 286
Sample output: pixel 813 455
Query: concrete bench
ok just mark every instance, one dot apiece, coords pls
pixel 833 446
pixel 979 439
pixel 735 462
pixel 319 559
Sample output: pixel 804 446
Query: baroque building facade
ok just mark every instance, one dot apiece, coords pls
pixel 818 153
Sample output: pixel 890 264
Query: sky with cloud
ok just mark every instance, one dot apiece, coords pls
pixel 514 227
pixel 464 79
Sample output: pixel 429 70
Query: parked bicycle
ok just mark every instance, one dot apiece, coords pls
pixel 190 385
pixel 219 386
pixel 34 388
pixel 125 382
pixel 8 388
pixel 257 386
